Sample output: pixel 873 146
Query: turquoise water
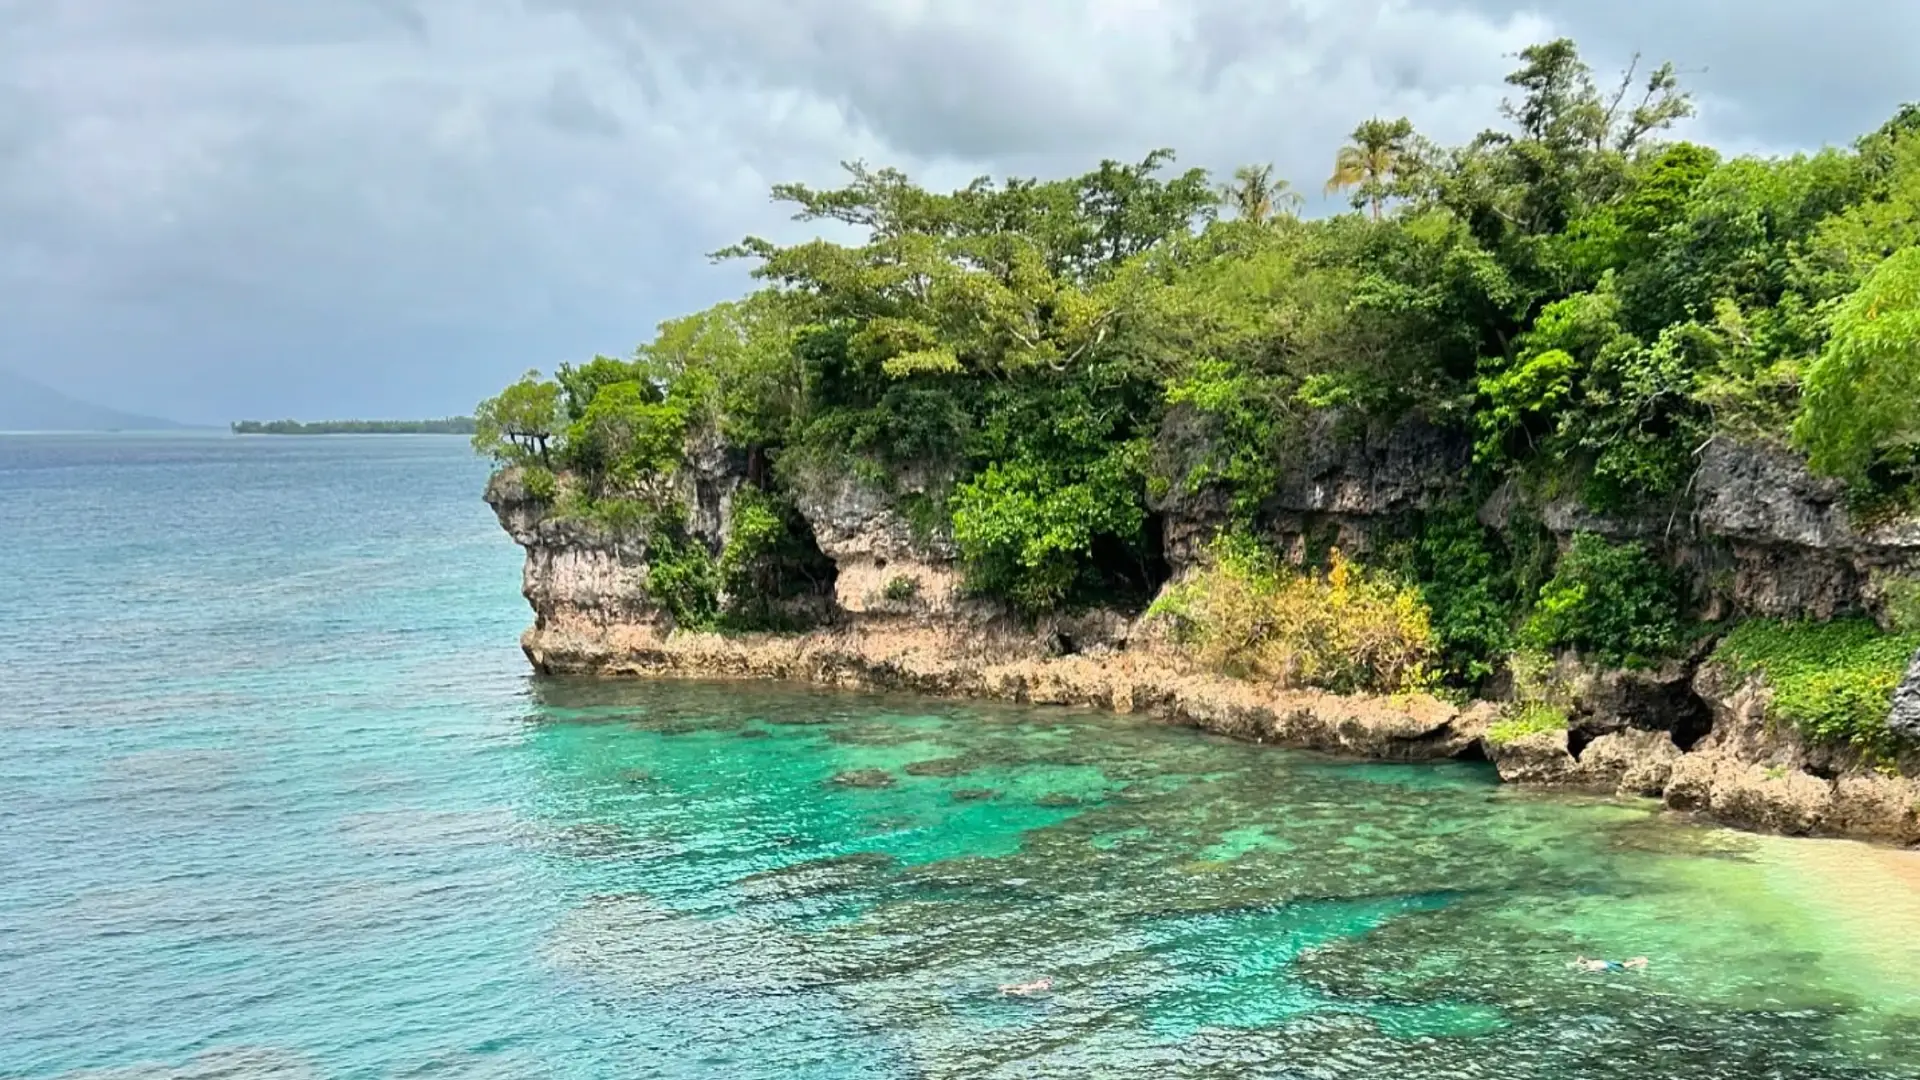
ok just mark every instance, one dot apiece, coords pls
pixel 281 799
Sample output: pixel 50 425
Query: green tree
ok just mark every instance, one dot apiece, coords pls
pixel 1380 153
pixel 1861 404
pixel 1256 195
pixel 630 440
pixel 519 425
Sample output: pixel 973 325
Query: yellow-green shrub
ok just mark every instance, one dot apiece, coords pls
pixel 1541 701
pixel 1345 629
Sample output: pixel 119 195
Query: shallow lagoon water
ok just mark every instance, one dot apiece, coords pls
pixel 281 799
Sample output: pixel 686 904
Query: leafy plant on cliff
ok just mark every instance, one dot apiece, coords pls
pixel 682 576
pixel 1347 629
pixel 1611 601
pixel 768 560
pixel 1467 583
pixel 520 424
pixel 1541 700
pixel 1862 396
pixel 1833 681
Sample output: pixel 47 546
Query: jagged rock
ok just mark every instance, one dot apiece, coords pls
pixel 713 472
pixel 1608 700
pixel 882 564
pixel 1904 719
pixel 575 571
pixel 1630 762
pixel 1751 492
pixel 1375 471
pixel 1796 551
pixel 1539 758
pixel 1190 517
pixel 1343 481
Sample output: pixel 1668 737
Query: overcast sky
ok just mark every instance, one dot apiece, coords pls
pixel 212 209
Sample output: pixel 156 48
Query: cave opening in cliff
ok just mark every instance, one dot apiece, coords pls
pixel 1132 574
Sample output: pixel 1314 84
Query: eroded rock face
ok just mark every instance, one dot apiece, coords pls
pixel 1340 487
pixel 714 472
pixel 574 572
pixel 1609 700
pixel 1796 551
pixel 1374 472
pixel 1905 717
pixel 884 565
pixel 1758 773
pixel 1540 758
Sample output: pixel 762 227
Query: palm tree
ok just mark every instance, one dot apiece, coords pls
pixel 1380 153
pixel 1257 195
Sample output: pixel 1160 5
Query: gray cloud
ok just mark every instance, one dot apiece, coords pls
pixel 226 207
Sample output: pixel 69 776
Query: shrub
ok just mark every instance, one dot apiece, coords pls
pixel 902 588
pixel 1541 699
pixel 1028 530
pixel 1523 720
pixel 768 559
pixel 540 482
pixel 683 579
pixel 1612 602
pixel 1469 591
pixel 1833 681
pixel 1346 629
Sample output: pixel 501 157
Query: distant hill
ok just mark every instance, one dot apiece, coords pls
pixel 26 405
pixel 452 425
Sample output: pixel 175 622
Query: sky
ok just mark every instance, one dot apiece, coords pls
pixel 215 209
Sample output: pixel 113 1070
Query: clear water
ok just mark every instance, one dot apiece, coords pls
pixel 280 799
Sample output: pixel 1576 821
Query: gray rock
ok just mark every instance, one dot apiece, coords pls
pixel 1795 551
pixel 1410 465
pixel 1766 495
pixel 851 517
pixel 1905 717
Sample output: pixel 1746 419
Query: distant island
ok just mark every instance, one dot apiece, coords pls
pixel 452 425
pixel 26 405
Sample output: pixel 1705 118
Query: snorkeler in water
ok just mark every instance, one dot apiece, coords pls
pixel 1023 989
pixel 1585 964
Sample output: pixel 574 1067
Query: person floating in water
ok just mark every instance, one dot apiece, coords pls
pixel 1039 985
pixel 1585 964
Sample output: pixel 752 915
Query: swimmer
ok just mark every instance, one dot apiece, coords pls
pixel 1585 964
pixel 1023 989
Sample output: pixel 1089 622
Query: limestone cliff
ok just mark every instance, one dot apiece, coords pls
pixel 1758 535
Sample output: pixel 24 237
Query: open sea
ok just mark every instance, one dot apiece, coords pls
pixel 279 797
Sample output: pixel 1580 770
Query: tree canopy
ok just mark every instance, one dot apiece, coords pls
pixel 1584 300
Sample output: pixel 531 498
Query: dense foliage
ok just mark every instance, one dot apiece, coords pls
pixel 1583 302
pixel 1834 681
pixel 1346 629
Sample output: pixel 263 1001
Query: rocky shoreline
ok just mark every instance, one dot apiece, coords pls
pixel 1764 539
pixel 1743 772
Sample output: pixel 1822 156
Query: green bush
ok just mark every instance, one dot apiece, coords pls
pixel 1833 681
pixel 683 578
pixel 539 482
pixel 1027 530
pixel 767 561
pixel 1468 584
pixel 901 588
pixel 1541 701
pixel 1613 602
